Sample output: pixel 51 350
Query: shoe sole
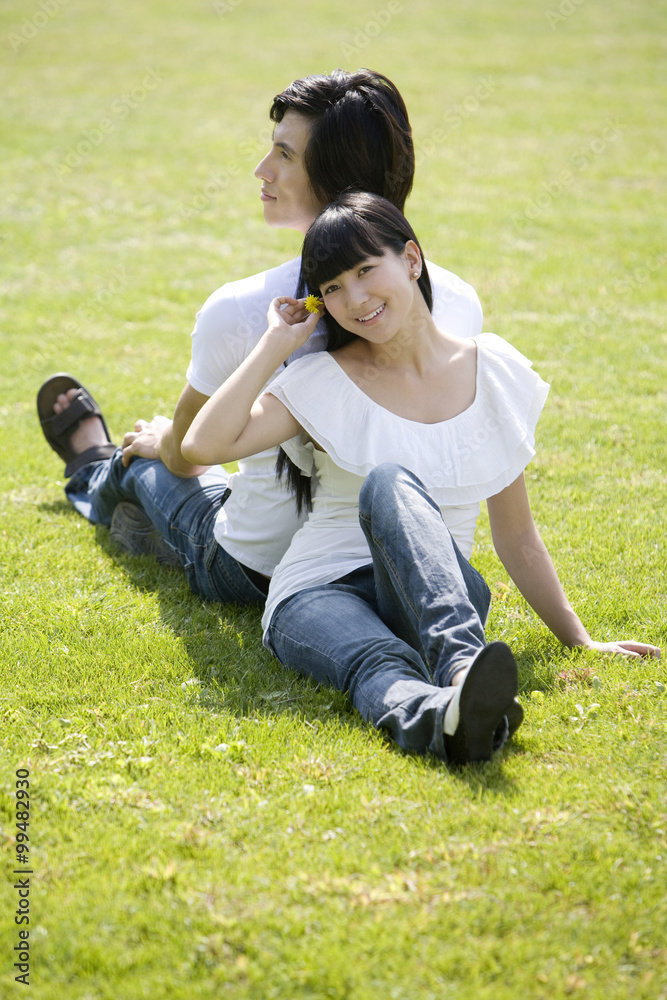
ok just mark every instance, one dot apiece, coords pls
pixel 487 694
pixel 514 713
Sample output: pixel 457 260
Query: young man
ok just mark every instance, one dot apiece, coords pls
pixel 229 531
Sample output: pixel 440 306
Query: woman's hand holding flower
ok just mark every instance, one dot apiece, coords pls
pixel 292 321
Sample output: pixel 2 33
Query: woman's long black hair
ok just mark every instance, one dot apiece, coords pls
pixel 355 226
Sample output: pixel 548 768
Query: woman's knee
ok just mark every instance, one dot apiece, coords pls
pixel 384 480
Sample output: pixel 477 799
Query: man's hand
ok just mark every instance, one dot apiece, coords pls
pixel 145 440
pixel 160 438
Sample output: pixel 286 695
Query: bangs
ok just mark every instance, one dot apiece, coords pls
pixel 339 240
pixel 358 225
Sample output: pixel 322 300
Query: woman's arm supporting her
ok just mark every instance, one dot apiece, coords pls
pixel 526 559
pixel 234 423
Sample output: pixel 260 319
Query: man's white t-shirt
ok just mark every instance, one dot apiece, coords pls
pixel 259 519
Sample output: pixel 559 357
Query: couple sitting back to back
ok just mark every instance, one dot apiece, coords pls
pixel 374 593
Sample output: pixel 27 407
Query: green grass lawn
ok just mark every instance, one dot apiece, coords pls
pixel 203 823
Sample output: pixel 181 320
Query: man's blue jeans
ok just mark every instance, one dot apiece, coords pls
pixel 183 511
pixel 392 633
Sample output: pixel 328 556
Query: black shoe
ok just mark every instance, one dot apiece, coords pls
pixel 514 713
pixel 134 532
pixel 480 703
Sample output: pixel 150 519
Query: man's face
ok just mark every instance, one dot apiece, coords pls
pixel 288 199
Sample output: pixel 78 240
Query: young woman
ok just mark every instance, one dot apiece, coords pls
pixel 405 429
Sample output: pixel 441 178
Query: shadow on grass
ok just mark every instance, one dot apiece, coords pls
pixel 224 647
pixel 481 779
pixel 61 506
pixel 233 671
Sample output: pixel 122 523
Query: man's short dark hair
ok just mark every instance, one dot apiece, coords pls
pixel 360 134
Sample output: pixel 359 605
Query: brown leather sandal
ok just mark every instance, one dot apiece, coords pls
pixel 59 427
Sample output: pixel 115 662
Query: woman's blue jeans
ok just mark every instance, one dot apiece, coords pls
pixel 392 633
pixel 184 511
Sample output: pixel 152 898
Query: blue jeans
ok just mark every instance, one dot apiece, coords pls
pixel 184 511
pixel 392 633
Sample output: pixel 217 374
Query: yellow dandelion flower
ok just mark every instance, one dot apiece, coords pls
pixel 312 303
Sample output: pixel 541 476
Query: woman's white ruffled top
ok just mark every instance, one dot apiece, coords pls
pixel 461 461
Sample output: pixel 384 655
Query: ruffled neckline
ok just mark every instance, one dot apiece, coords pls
pixel 465 458
pixel 397 416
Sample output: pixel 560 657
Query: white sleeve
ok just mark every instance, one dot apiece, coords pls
pixel 219 342
pixel 456 305
pixel 475 314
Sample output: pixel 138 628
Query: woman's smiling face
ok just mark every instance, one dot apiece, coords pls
pixel 373 299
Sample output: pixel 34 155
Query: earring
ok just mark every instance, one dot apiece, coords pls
pixel 415 274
